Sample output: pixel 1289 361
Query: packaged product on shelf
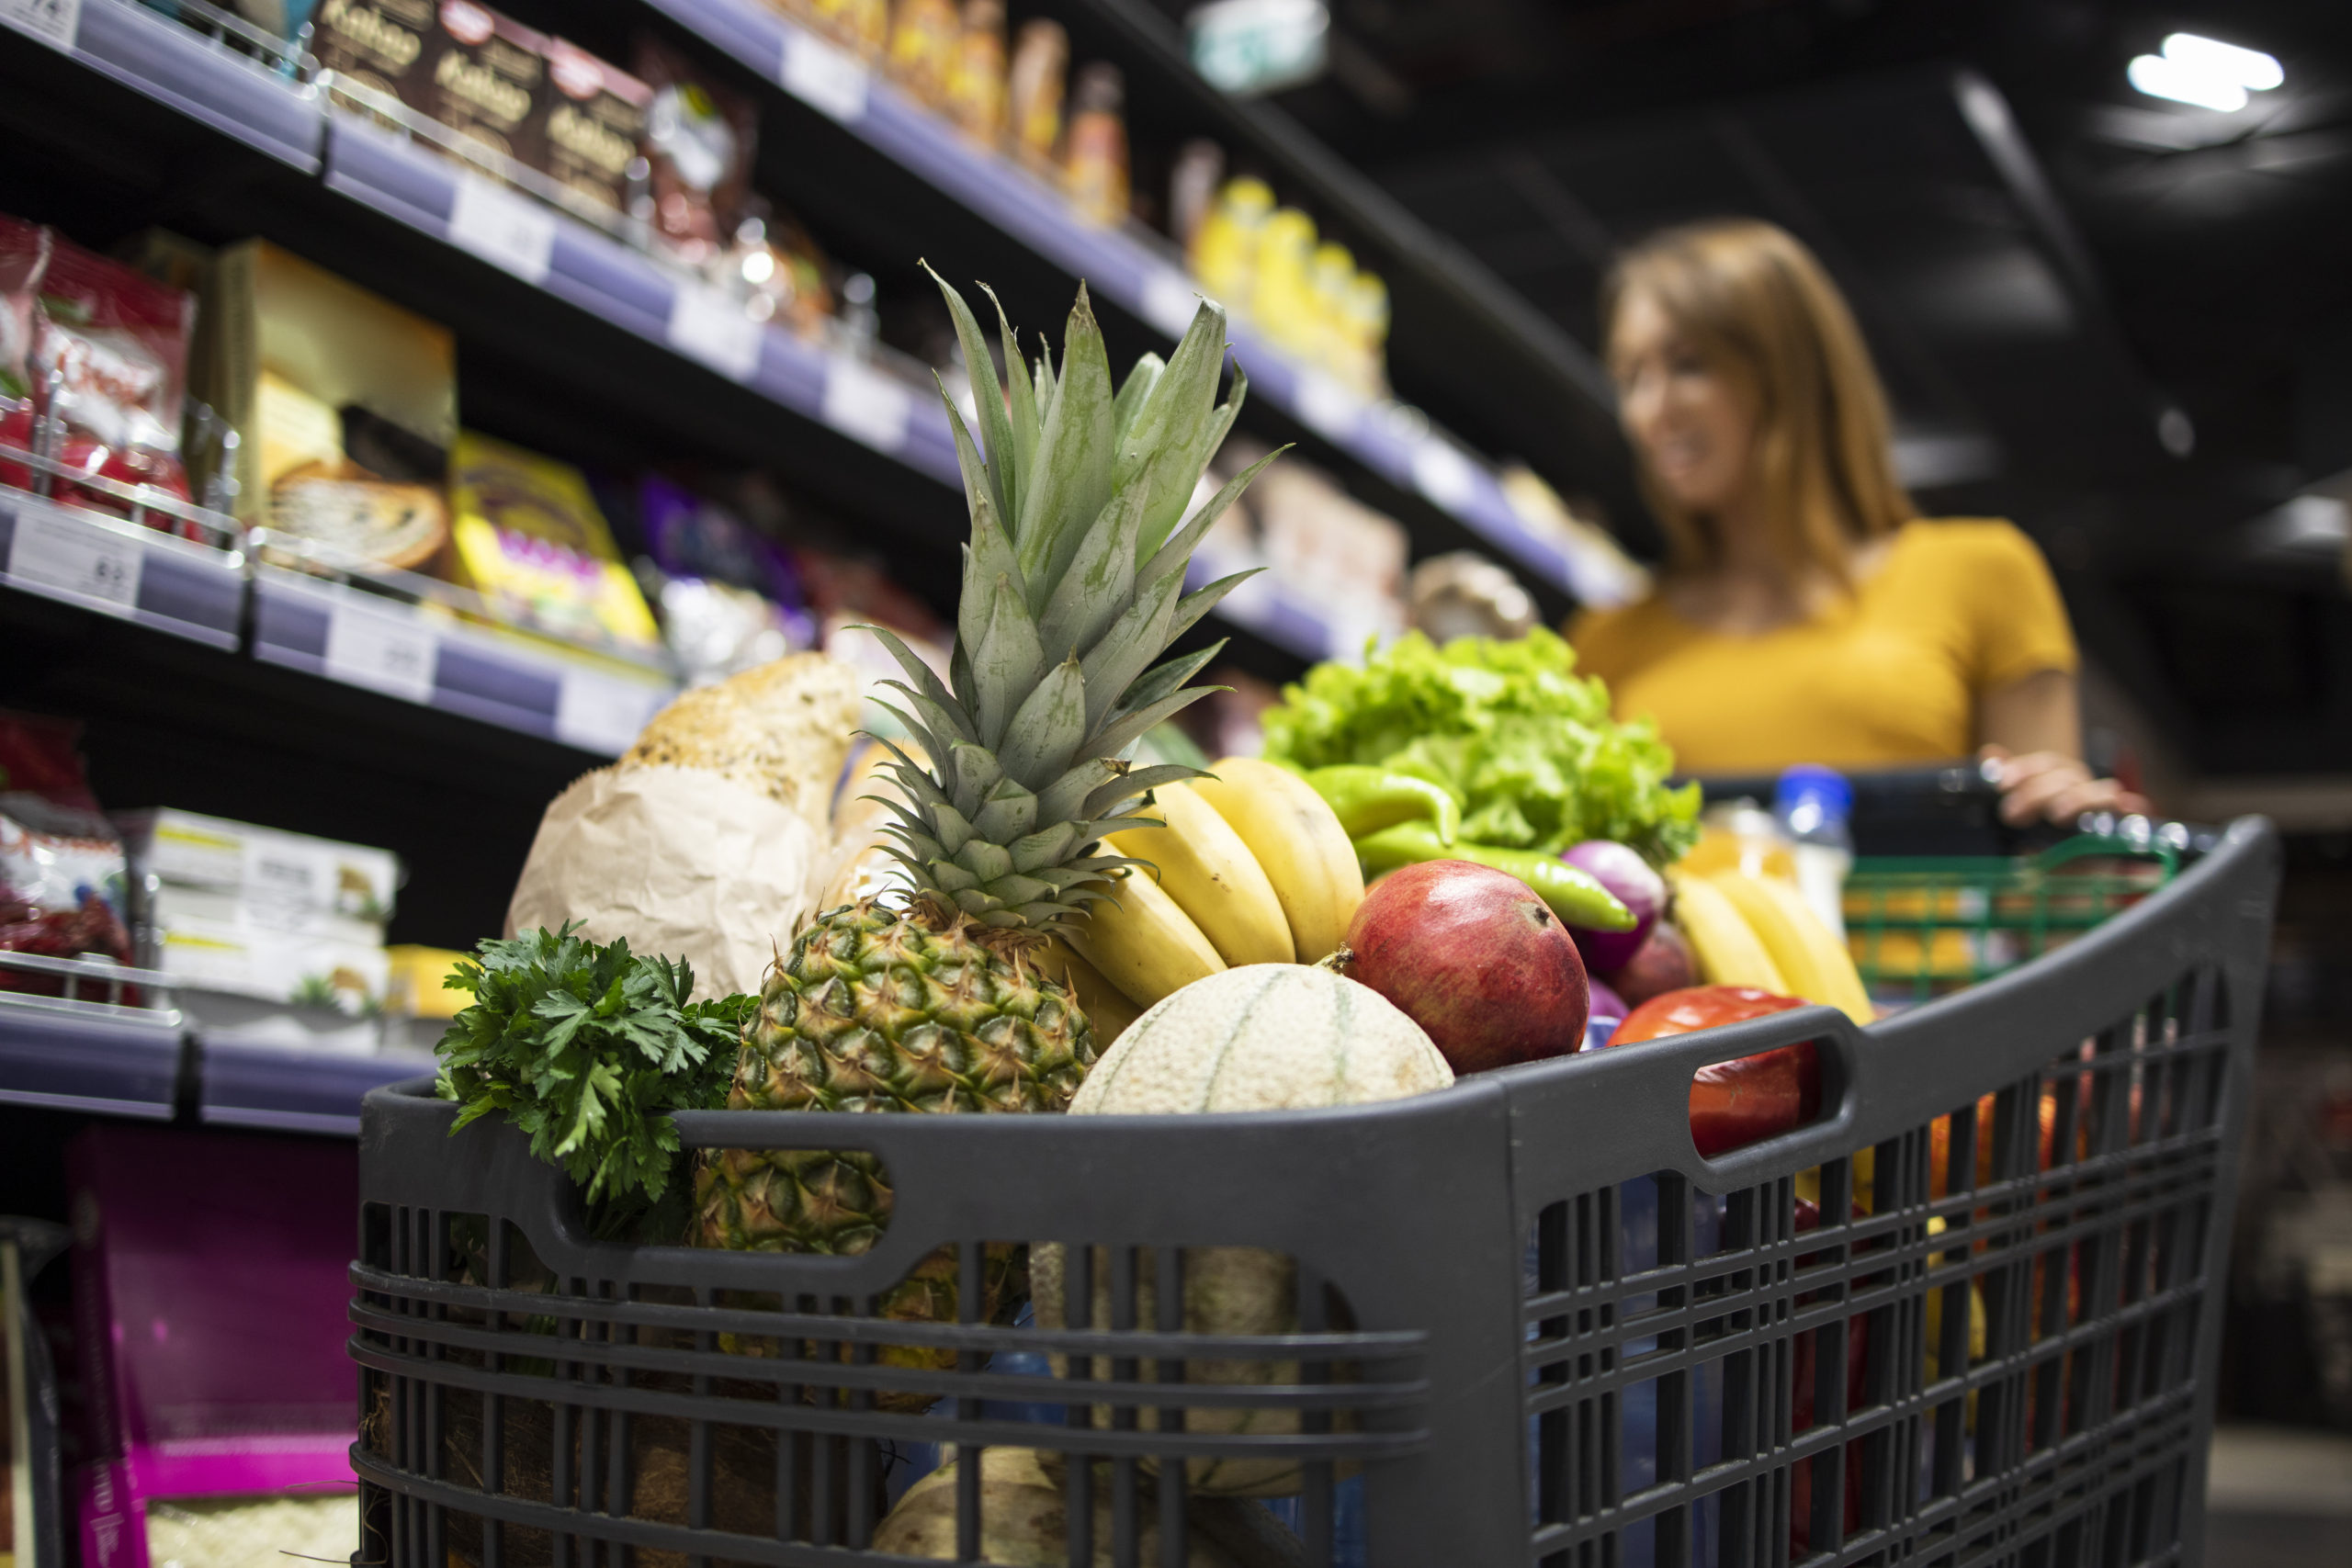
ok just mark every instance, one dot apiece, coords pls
pixel 594 119
pixel 976 87
pixel 60 888
pixel 289 877
pixel 211 1281
pixel 1601 572
pixel 1034 89
pixel 376 43
pixel 1461 593
pixel 1347 557
pixel 455 62
pixel 483 76
pixel 699 143
pixel 347 404
pixel 730 599
pixel 1096 177
pixel 1223 251
pixel 1331 280
pixel 862 27
pixel 1281 299
pixel 925 37
pixel 782 270
pixel 62 872
pixel 1366 317
pixel 103 349
pixel 1192 191
pixel 529 539
pixel 259 912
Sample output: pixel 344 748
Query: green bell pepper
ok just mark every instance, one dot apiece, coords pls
pixel 1369 799
pixel 1576 897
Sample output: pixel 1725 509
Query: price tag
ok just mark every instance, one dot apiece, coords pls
pixel 862 402
pixel 388 649
pixel 1327 406
pixel 711 328
pixel 1169 302
pixel 503 228
pixel 60 554
pixel 829 80
pixel 1444 474
pixel 601 713
pixel 55 22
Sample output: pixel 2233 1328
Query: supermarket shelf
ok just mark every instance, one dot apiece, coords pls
pixel 68 1053
pixel 288 1090
pixel 417 653
pixel 235 93
pixel 590 270
pixel 605 278
pixel 116 568
pixel 1127 266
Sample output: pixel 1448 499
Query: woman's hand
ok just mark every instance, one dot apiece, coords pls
pixel 2052 786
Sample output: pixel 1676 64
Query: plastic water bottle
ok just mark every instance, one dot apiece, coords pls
pixel 1813 805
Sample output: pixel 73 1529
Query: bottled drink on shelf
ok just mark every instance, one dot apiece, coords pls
pixel 1034 92
pixel 1097 177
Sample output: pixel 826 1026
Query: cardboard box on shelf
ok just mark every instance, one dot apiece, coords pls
pixel 267 869
pixel 302 362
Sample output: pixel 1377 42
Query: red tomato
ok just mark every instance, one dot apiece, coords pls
pixel 1737 1102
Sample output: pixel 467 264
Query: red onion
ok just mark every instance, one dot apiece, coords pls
pixel 1606 1002
pixel 1636 885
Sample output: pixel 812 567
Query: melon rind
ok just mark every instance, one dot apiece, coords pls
pixel 1262 1037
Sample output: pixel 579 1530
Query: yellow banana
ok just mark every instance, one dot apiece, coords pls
pixel 1729 953
pixel 1105 1006
pixel 1298 842
pixel 1144 944
pixel 1812 961
pixel 1202 863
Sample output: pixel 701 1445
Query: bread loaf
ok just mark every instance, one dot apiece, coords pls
pixel 782 730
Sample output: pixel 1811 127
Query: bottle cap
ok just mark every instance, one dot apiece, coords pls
pixel 1824 787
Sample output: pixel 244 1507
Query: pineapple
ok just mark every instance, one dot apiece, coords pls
pixel 1073 589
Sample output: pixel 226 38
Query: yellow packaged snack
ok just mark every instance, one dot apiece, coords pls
pixel 530 540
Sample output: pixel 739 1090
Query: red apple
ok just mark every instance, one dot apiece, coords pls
pixel 1662 963
pixel 1475 957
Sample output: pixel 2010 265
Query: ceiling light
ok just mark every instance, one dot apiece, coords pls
pixel 2204 72
pixel 2249 68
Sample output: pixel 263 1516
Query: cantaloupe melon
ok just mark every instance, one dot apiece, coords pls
pixel 1024 1517
pixel 1262 1037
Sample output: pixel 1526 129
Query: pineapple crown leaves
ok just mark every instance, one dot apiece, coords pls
pixel 586 1047
pixel 1074 589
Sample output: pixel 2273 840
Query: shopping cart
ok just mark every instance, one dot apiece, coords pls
pixel 1988 1336
pixel 1920 926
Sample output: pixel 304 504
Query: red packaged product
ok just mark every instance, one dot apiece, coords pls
pixel 61 865
pixel 115 344
pixel 24 257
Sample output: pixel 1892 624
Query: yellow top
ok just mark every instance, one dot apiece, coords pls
pixel 1892 675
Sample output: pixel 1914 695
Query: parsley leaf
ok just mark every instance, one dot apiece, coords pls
pixel 587 1048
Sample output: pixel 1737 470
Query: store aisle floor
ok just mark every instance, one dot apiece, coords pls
pixel 2279 1497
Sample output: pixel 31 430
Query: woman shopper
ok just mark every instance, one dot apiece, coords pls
pixel 1807 613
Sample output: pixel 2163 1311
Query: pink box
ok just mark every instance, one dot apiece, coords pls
pixel 210 1282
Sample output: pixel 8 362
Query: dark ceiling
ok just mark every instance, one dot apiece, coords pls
pixel 2125 322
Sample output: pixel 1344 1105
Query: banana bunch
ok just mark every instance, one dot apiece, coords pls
pixel 1757 930
pixel 1252 867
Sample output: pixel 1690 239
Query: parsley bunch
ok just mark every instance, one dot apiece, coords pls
pixel 587 1048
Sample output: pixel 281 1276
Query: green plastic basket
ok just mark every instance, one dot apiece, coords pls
pixel 1922 925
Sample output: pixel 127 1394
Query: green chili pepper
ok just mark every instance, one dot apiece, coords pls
pixel 1368 799
pixel 1576 897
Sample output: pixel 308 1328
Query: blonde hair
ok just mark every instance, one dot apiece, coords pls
pixel 1759 307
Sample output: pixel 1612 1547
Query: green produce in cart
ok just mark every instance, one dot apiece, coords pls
pixel 1525 747
pixel 1574 895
